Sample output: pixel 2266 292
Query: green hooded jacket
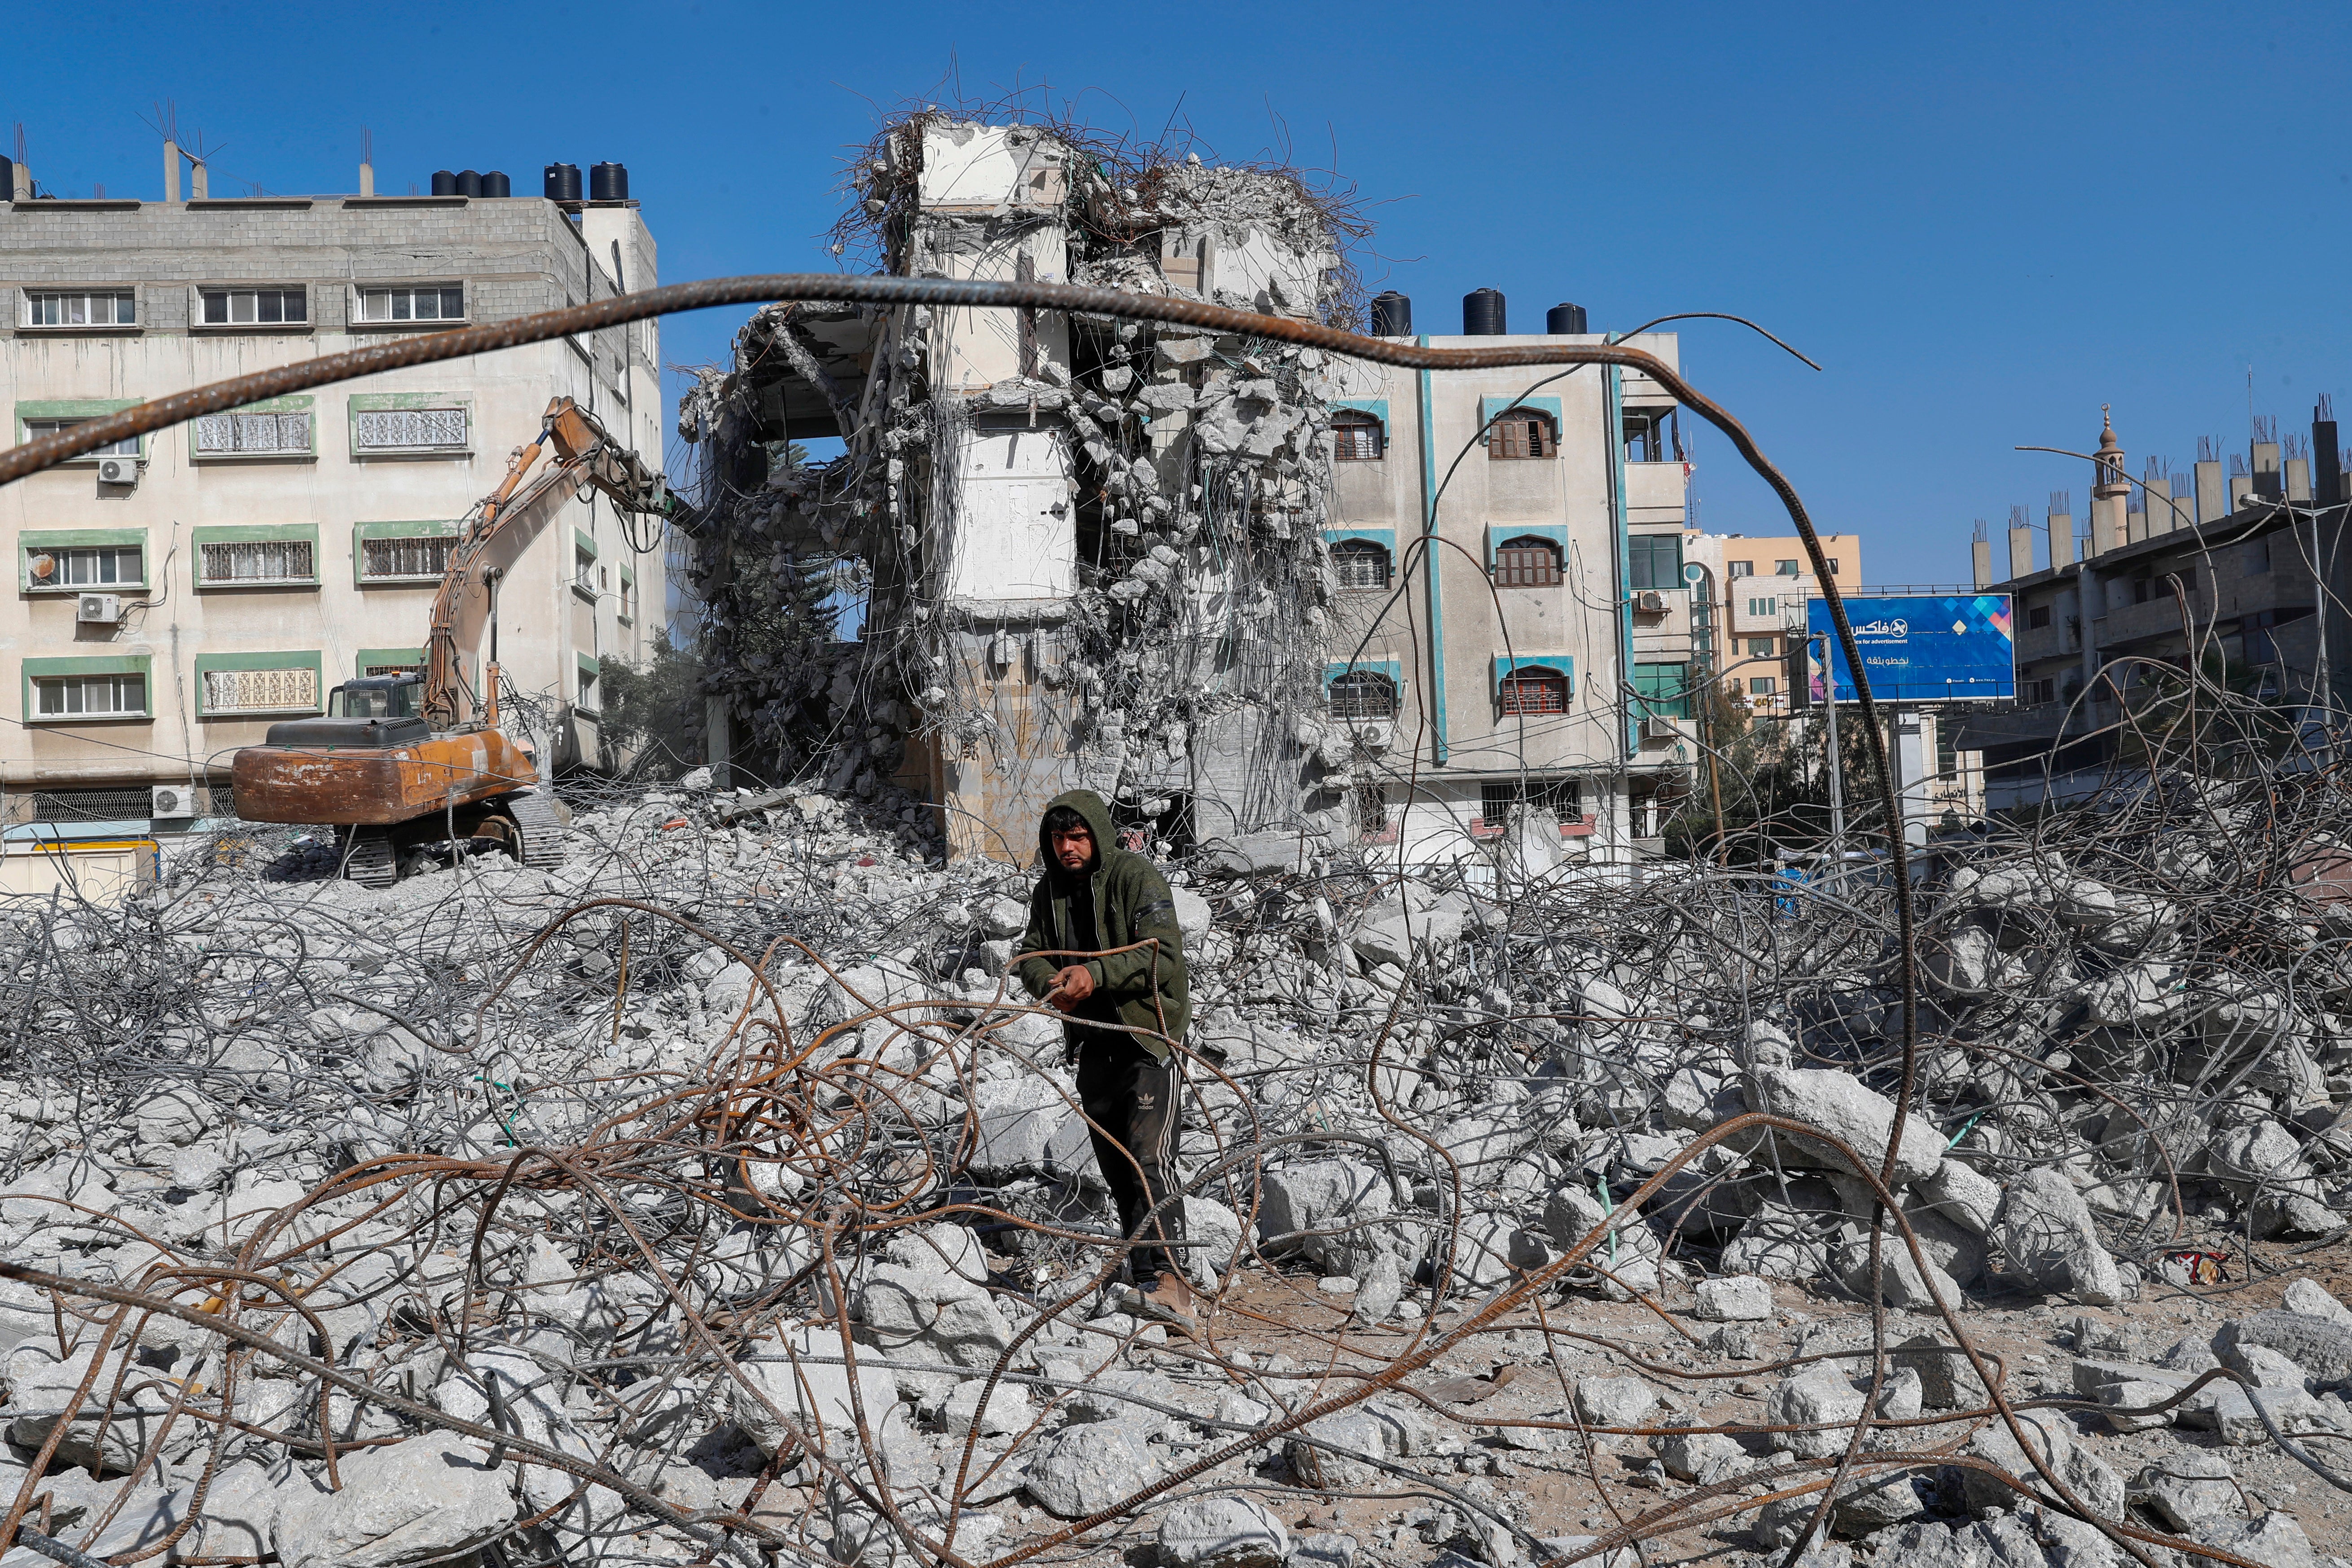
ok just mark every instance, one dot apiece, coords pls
pixel 1131 902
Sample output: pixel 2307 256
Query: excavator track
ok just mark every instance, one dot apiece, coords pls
pixel 370 859
pixel 542 832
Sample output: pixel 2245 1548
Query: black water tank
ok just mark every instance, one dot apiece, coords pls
pixel 563 181
pixel 7 178
pixel 495 184
pixel 1565 321
pixel 608 182
pixel 445 184
pixel 1391 315
pixel 1482 314
pixel 469 184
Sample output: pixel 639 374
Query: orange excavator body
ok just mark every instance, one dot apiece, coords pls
pixel 401 760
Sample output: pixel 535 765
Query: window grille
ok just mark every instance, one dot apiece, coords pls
pixel 53 308
pixel 1759 647
pixel 1522 434
pixel 230 434
pixel 126 447
pixel 439 302
pixel 91 696
pixel 255 307
pixel 411 429
pixel 410 667
pixel 1357 436
pixel 1359 563
pixel 260 560
pixel 261 691
pixel 424 556
pixel 1535 691
pixel 1527 562
pixel 1363 694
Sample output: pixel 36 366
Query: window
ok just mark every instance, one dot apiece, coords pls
pixel 1357 436
pixel 1535 691
pixel 431 302
pixel 1663 690
pixel 1527 562
pixel 2187 576
pixel 252 435
pixel 90 696
pixel 2037 618
pixel 126 447
pixel 1645 435
pixel 1759 647
pixel 1835 566
pixel 583 572
pixel 1763 607
pixel 255 307
pixel 46 308
pixel 1372 809
pixel 1562 799
pixel 406 667
pixel 1785 569
pixel 409 429
pixel 2139 590
pixel 1520 433
pixel 259 561
pixel 1656 559
pixel 628 598
pixel 261 691
pixel 89 566
pixel 1739 569
pixel 1359 563
pixel 2035 692
pixel 587 688
pixel 1363 694
pixel 1762 685
pixel 391 560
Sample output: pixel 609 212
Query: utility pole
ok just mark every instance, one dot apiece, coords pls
pixel 1837 777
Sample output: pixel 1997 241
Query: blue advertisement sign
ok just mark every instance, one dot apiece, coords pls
pixel 1920 648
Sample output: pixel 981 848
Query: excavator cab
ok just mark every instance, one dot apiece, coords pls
pixel 378 697
pixel 376 710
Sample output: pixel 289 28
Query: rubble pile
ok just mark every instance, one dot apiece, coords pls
pixel 712 1197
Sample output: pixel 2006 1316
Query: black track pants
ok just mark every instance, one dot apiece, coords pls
pixel 1135 1104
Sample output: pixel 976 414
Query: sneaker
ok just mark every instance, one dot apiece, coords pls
pixel 1170 1301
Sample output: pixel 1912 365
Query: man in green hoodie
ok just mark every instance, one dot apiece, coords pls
pixel 1125 1010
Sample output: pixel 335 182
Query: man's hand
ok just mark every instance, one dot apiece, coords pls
pixel 1070 987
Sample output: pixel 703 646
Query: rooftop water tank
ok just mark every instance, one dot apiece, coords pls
pixel 1565 320
pixel 469 184
pixel 1391 315
pixel 495 184
pixel 1482 314
pixel 608 182
pixel 445 183
pixel 563 181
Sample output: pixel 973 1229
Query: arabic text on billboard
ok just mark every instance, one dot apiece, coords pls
pixel 1921 649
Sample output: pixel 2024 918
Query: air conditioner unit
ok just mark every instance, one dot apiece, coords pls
pixel 1656 729
pixel 118 470
pixel 1650 601
pixel 99 609
pixel 166 801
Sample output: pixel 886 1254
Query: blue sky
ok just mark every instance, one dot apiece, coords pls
pixel 1983 225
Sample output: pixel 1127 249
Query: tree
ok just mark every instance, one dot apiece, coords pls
pixel 652 715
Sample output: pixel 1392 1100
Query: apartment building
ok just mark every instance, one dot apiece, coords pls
pixel 1747 601
pixel 2221 564
pixel 1540 651
pixel 179 594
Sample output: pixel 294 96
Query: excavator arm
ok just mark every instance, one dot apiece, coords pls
pixel 502 526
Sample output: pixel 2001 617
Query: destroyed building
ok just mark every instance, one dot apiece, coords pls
pixel 2218 573
pixel 1181 567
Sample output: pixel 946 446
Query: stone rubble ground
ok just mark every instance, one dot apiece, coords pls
pixel 587 1213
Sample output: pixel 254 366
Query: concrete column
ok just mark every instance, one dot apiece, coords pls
pixel 2266 470
pixel 2298 480
pixel 2061 540
pixel 2241 490
pixel 2212 493
pixel 172 172
pixel 1980 558
pixel 367 179
pixel 2021 551
pixel 23 180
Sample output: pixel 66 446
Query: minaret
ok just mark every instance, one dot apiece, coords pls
pixel 2109 490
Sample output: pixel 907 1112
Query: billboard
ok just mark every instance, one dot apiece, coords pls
pixel 1918 648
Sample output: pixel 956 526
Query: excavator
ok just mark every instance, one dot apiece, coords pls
pixel 404 759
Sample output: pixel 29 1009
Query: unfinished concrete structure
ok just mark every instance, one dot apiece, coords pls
pixel 1167 564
